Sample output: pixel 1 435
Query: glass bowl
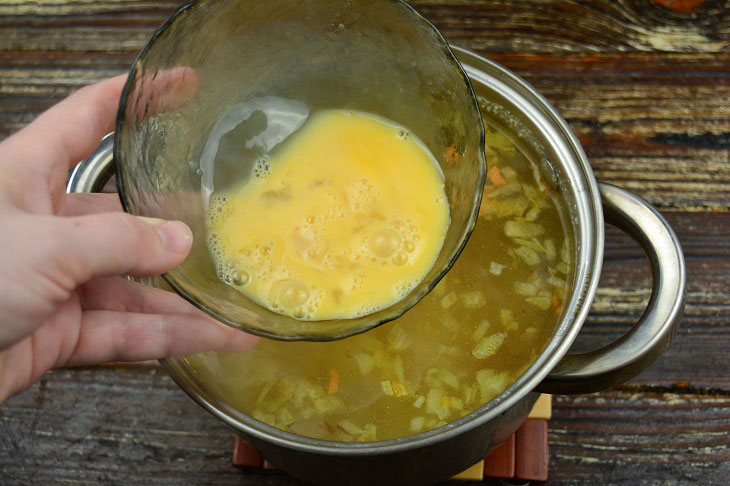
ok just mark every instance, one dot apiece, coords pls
pixel 223 82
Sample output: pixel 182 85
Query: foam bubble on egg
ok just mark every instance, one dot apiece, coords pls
pixel 404 287
pixel 261 168
pixel 295 297
pixel 239 278
pixel 385 242
pixel 217 208
pixel 289 293
pixel 400 258
pixel 360 196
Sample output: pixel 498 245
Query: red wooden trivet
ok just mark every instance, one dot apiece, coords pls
pixel 245 455
pixel 501 462
pixel 532 450
pixel 523 456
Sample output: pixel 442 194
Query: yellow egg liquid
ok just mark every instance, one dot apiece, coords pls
pixel 344 219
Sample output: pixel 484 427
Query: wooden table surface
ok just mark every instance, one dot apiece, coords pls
pixel 645 84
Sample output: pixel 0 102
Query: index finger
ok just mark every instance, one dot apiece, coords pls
pixel 127 336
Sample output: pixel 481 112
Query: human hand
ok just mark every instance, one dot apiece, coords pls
pixel 62 301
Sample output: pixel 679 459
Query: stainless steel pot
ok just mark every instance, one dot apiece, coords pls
pixel 440 453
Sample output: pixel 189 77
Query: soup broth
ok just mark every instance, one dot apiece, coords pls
pixel 460 347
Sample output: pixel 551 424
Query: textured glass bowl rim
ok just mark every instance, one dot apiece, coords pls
pixel 388 316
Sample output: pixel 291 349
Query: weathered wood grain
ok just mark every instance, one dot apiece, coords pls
pixel 580 26
pixel 631 436
pixel 107 425
pixel 645 84
pixel 496 25
pixel 132 425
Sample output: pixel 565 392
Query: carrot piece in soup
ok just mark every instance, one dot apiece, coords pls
pixel 495 176
pixel 334 381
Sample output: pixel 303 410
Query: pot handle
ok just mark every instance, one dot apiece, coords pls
pixel 91 174
pixel 650 336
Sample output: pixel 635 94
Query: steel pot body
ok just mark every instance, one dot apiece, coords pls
pixel 440 453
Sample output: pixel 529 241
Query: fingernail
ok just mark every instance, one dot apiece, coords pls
pixel 176 236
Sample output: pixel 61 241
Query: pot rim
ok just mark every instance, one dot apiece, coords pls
pixel 589 239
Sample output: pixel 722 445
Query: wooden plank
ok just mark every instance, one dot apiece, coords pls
pixel 532 450
pixel 500 463
pixel 473 473
pixel 636 437
pixel 643 86
pixel 528 25
pixel 111 425
pixel 133 425
pixel 245 455
pixel 543 408
pixel 653 123
pixel 579 26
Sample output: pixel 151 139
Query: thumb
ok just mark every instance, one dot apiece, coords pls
pixel 108 244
